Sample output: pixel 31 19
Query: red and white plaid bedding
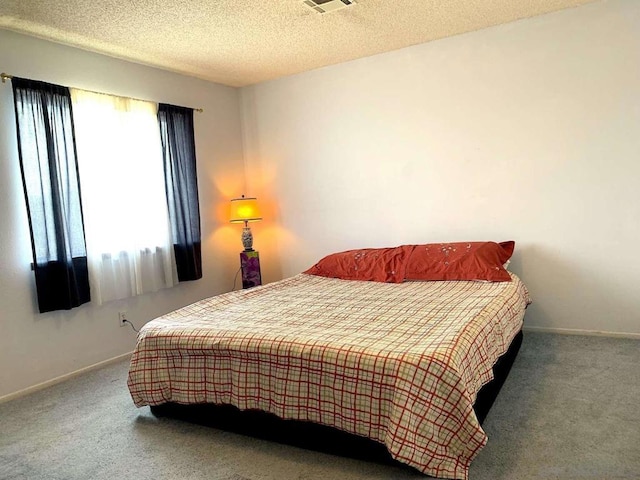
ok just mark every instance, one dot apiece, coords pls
pixel 397 363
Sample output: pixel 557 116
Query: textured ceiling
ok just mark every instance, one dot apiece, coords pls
pixel 241 42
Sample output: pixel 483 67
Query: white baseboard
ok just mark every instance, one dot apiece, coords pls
pixel 570 331
pixel 62 378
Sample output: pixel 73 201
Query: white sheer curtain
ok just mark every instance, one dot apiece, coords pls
pixel 129 249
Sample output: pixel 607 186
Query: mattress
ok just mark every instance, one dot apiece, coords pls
pixel 400 364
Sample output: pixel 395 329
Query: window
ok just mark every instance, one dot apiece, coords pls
pixel 115 171
pixel 120 161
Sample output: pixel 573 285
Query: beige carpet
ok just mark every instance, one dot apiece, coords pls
pixel 568 411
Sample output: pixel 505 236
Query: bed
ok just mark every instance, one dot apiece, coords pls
pixel 401 364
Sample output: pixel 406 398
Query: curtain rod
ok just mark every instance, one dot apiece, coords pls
pixel 6 76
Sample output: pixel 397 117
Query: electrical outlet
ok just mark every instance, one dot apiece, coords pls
pixel 122 316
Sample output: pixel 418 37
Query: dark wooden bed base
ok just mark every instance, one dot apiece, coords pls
pixel 319 437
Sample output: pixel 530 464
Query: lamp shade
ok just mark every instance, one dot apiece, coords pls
pixel 244 210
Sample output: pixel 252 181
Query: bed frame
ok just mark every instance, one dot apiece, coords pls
pixel 317 437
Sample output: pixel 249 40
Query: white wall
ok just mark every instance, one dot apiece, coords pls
pixel 527 131
pixel 37 347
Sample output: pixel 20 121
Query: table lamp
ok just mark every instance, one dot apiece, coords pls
pixel 246 210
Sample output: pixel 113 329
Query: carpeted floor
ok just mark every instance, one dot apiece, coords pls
pixel 570 410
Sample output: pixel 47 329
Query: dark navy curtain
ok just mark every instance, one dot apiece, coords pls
pixel 179 151
pixel 50 177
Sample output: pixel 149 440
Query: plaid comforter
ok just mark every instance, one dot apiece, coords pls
pixel 397 363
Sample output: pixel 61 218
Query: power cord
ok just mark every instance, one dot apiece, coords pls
pixel 131 324
pixel 235 278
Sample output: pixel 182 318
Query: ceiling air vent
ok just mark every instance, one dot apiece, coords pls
pixel 326 6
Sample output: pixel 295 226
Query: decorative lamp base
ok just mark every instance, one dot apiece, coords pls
pixel 247 239
pixel 250 264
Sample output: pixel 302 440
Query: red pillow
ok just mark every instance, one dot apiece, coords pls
pixel 373 264
pixel 460 261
